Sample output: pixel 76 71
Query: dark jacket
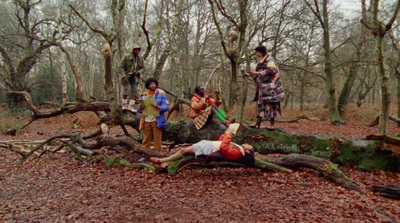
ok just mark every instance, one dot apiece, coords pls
pixel 128 64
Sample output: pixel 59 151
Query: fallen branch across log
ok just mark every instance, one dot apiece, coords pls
pixel 328 169
pixel 325 167
pixel 376 121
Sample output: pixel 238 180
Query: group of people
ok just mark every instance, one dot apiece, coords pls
pixel 269 93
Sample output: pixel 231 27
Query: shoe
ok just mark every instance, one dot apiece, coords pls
pixel 229 120
pixel 258 122
pixel 124 104
pixel 132 109
pixel 131 106
pixel 272 121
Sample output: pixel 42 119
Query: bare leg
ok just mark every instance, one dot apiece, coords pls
pixel 176 156
pixel 187 150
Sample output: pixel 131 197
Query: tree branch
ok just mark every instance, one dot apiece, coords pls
pixel 94 29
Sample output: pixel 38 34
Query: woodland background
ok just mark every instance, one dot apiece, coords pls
pixel 51 50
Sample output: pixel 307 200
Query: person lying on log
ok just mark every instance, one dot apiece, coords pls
pixel 222 150
pixel 203 105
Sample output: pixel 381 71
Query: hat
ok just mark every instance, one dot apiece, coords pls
pixel 135 46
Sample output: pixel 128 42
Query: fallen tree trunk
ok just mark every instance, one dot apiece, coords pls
pixel 189 160
pixel 81 147
pixel 366 154
pixel 376 120
pixel 389 191
pixel 328 169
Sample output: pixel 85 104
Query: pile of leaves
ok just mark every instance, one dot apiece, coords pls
pixel 60 188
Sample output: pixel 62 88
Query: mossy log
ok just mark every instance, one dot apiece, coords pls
pixel 185 132
pixel 327 169
pixel 190 160
pixel 366 154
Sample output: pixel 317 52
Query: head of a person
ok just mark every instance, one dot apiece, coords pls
pixel 136 49
pixel 248 158
pixel 247 147
pixel 151 84
pixel 200 91
pixel 261 51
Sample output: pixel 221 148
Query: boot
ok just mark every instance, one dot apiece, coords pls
pixel 229 120
pixel 124 104
pixel 258 122
pixel 132 106
pixel 272 121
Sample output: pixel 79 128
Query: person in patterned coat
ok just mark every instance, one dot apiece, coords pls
pixel 269 90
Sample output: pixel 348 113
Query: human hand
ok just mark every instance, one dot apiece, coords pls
pixel 272 85
pixel 251 73
pixel 216 95
pixel 157 107
pixel 125 79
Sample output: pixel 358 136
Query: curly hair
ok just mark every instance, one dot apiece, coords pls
pixel 198 89
pixel 148 81
pixel 262 49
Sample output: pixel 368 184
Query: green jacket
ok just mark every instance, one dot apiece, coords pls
pixel 129 63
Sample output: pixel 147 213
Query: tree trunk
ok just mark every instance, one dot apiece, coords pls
pixel 241 101
pixel 64 85
pixel 345 93
pixel 398 95
pixel 330 87
pixel 108 87
pixel 380 30
pixel 385 88
pixel 165 54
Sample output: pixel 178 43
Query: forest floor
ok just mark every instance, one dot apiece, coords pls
pixel 60 188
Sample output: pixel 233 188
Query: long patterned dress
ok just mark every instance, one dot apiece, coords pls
pixel 269 99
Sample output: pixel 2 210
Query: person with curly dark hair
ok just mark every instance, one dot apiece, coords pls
pixel 152 125
pixel 203 106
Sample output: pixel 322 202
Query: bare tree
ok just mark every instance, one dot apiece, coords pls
pixel 379 30
pixel 21 48
pixel 330 87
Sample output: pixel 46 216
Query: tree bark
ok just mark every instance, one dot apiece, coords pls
pixel 165 54
pixel 380 30
pixel 328 169
pixel 389 191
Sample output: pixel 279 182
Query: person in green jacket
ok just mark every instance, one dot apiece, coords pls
pixel 131 68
